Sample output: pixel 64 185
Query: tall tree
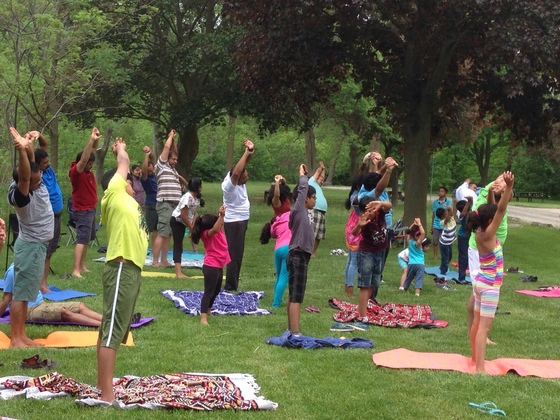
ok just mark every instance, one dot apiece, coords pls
pixel 418 58
pixel 49 61
pixel 179 71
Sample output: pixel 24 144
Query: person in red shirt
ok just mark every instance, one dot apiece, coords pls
pixel 84 200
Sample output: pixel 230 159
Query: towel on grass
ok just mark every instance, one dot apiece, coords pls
pixel 226 303
pixel 188 259
pixel 407 359
pixel 389 314
pixel 543 291
pixel 302 341
pixel 63 339
pixel 434 271
pixel 5 319
pixel 195 391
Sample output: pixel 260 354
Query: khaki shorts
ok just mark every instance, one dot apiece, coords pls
pixel 164 210
pixel 121 285
pixel 51 311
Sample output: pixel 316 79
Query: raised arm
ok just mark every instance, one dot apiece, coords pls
pixel 168 146
pixel 508 179
pixel 42 140
pixel 90 147
pixel 148 158
pixel 123 161
pixel 422 235
pixel 243 161
pixel 319 170
pixel 386 170
pixel 24 167
pixel 278 179
pixel 218 225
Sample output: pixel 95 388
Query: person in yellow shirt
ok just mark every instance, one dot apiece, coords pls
pixel 127 245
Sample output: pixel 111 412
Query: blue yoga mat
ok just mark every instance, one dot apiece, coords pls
pixel 58 295
pixel 434 271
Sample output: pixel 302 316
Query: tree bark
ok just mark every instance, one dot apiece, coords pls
pixel 230 142
pixel 100 155
pixel 416 157
pixel 310 151
pixel 188 149
pixel 332 166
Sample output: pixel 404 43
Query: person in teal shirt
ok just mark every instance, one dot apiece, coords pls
pixel 442 202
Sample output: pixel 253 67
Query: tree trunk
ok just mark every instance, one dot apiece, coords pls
pixel 188 149
pixel 354 162
pixel 416 157
pixel 310 151
pixel 332 167
pixel 230 142
pixel 100 155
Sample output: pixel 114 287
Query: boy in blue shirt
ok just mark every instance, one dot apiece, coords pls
pixel 417 245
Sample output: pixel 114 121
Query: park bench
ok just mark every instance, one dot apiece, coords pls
pixel 529 195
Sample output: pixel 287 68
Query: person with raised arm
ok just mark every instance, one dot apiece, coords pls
pixel 236 219
pixel 127 244
pixel 168 196
pixel 149 183
pixel 84 200
pixel 30 199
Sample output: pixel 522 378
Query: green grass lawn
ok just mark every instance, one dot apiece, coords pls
pixel 329 383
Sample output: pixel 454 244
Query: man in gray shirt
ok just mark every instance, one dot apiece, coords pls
pixel 30 199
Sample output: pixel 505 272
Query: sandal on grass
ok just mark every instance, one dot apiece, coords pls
pixel 312 309
pixel 490 408
pixel 35 362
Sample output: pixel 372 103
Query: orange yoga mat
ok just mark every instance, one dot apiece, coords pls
pixel 406 359
pixel 65 339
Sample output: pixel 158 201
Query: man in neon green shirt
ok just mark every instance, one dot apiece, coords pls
pixel 126 252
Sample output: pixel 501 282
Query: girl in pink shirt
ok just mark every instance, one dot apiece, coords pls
pixel 278 228
pixel 209 228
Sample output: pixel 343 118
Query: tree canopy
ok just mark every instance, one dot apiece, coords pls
pixel 419 59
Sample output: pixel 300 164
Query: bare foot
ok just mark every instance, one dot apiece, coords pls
pixel 23 343
pixel 166 264
pixel 76 274
pixel 490 342
pixel 204 322
pixel 45 290
pixel 84 270
pixel 181 276
pixel 349 290
pixel 156 265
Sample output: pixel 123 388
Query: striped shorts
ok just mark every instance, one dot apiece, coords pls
pixel 319 224
pixel 485 298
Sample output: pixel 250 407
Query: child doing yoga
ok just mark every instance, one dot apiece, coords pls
pixel 208 227
pixel 483 223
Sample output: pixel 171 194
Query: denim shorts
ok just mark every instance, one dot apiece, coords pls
pixel 370 266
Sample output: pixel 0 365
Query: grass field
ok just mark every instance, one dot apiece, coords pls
pixel 320 384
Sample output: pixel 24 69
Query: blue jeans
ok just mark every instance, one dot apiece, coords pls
pixel 351 268
pixel 282 276
pixel 370 265
pixel 415 271
pixel 446 255
pixel 463 245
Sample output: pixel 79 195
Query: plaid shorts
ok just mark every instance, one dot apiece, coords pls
pixel 319 224
pixel 297 262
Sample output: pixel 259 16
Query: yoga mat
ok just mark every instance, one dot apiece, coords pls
pixel 5 319
pixel 407 359
pixel 188 259
pixel 65 339
pixel 553 293
pixel 2 284
pixel 191 391
pixel 58 295
pixel 434 271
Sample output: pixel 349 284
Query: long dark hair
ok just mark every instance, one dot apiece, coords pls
pixel 202 223
pixel 194 185
pixel 356 185
pixel 481 217
pixel 265 232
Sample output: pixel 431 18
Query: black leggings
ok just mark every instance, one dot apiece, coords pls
pixel 212 285
pixel 178 231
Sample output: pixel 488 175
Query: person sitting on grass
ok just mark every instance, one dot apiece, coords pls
pixel 371 251
pixel 417 246
pixel 209 229
pixel 40 311
pixel 484 223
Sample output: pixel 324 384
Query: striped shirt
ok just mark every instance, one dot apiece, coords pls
pixel 448 234
pixel 492 267
pixel 168 185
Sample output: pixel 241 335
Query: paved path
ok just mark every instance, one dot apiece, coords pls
pixel 537 215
